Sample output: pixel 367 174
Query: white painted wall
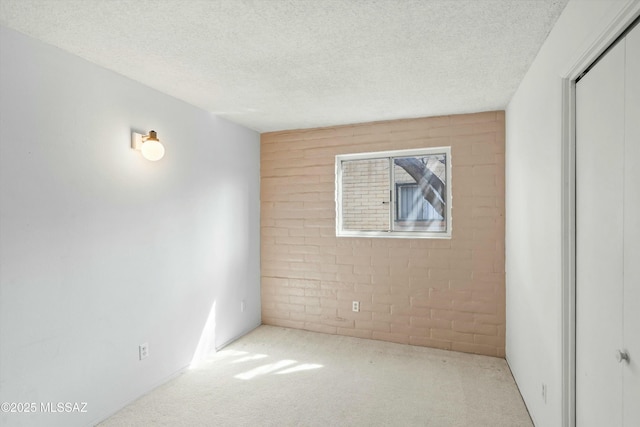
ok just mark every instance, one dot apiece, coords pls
pixel 101 250
pixel 533 207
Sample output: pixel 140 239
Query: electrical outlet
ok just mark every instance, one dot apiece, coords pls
pixel 143 351
pixel 355 306
pixel 544 393
pixel 242 306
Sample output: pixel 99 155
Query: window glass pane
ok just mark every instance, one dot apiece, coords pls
pixel 420 186
pixel 365 194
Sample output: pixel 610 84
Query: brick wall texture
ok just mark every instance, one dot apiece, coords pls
pixel 442 293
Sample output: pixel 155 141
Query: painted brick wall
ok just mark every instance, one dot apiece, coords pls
pixel 430 292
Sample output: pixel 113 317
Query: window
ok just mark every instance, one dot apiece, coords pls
pixel 394 193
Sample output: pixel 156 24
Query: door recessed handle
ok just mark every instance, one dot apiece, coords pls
pixel 622 355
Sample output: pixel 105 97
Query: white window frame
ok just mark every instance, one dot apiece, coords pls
pixel 340 232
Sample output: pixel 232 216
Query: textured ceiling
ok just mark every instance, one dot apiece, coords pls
pixel 287 64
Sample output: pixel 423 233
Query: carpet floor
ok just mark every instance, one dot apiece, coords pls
pixel 285 377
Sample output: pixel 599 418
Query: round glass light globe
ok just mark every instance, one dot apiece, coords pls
pixel 152 150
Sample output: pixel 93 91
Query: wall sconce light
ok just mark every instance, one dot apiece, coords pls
pixel 149 145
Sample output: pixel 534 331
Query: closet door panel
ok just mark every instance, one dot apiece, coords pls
pixel 599 240
pixel 631 327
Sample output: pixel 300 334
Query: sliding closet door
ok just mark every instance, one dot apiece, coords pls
pixel 631 327
pixel 608 239
pixel 599 240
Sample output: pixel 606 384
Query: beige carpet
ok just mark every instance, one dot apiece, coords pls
pixel 285 377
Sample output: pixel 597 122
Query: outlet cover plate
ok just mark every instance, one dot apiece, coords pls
pixel 143 351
